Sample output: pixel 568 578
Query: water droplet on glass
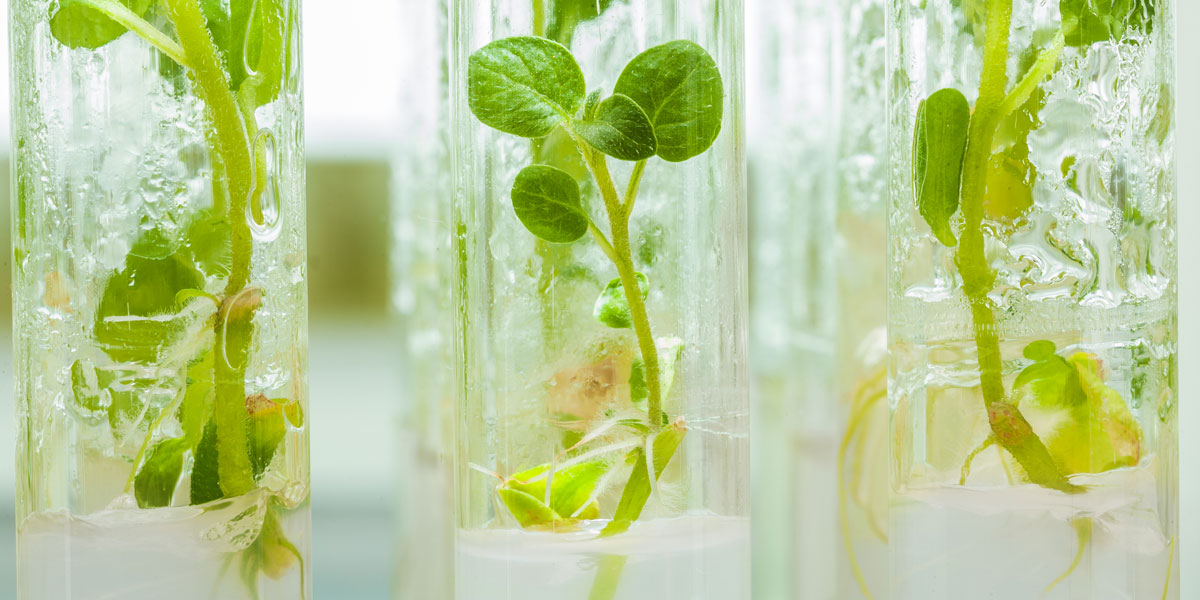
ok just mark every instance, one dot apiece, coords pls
pixel 264 209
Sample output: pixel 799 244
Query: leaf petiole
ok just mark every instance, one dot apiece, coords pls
pixel 1037 74
pixel 635 182
pixel 602 241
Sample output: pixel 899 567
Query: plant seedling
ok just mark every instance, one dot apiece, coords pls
pixel 956 172
pixel 237 57
pixel 668 102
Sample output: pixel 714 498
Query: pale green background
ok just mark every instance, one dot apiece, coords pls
pixel 351 121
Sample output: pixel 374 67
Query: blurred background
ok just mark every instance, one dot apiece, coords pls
pixel 353 133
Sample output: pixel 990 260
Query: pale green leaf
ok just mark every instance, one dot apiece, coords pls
pixel 637 488
pixel 612 307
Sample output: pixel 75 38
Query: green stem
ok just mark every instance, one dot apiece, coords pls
pixel 622 257
pixel 234 332
pixel 232 140
pixel 1041 69
pixel 635 182
pixel 608 577
pixel 233 327
pixel 603 242
pixel 130 20
pixel 539 18
pixel 1010 427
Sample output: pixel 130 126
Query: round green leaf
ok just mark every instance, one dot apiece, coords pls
pixel 679 87
pixel 524 86
pixel 620 129
pixel 548 203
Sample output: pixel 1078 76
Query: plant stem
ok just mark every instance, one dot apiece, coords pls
pixel 1037 73
pixel 233 326
pixel 622 257
pixel 122 15
pixel 608 577
pixel 1010 427
pixel 230 130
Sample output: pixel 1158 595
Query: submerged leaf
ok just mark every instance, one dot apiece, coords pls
pixel 679 87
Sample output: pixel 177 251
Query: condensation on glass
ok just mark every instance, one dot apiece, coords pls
pixel 160 301
pixel 538 373
pixel 422 265
pixel 1053 283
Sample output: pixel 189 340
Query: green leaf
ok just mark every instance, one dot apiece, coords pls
pixel 612 307
pixel 1052 381
pixel 524 86
pixel 205 478
pixel 258 46
pixel 620 129
pixel 76 24
pixel 669 351
pixel 527 510
pixel 268 427
pixel 548 203
pixel 156 480
pixel 593 104
pixel 1094 430
pixel 637 488
pixel 679 87
pixel 570 491
pixel 90 403
pixel 1086 22
pixel 197 402
pixel 209 244
pixel 567 15
pixel 134 319
pixel 939 145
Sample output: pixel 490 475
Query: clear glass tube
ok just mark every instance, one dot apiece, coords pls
pixel 791 133
pixel 817 149
pixel 861 339
pixel 560 408
pixel 422 268
pixel 1032 300
pixel 160 300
